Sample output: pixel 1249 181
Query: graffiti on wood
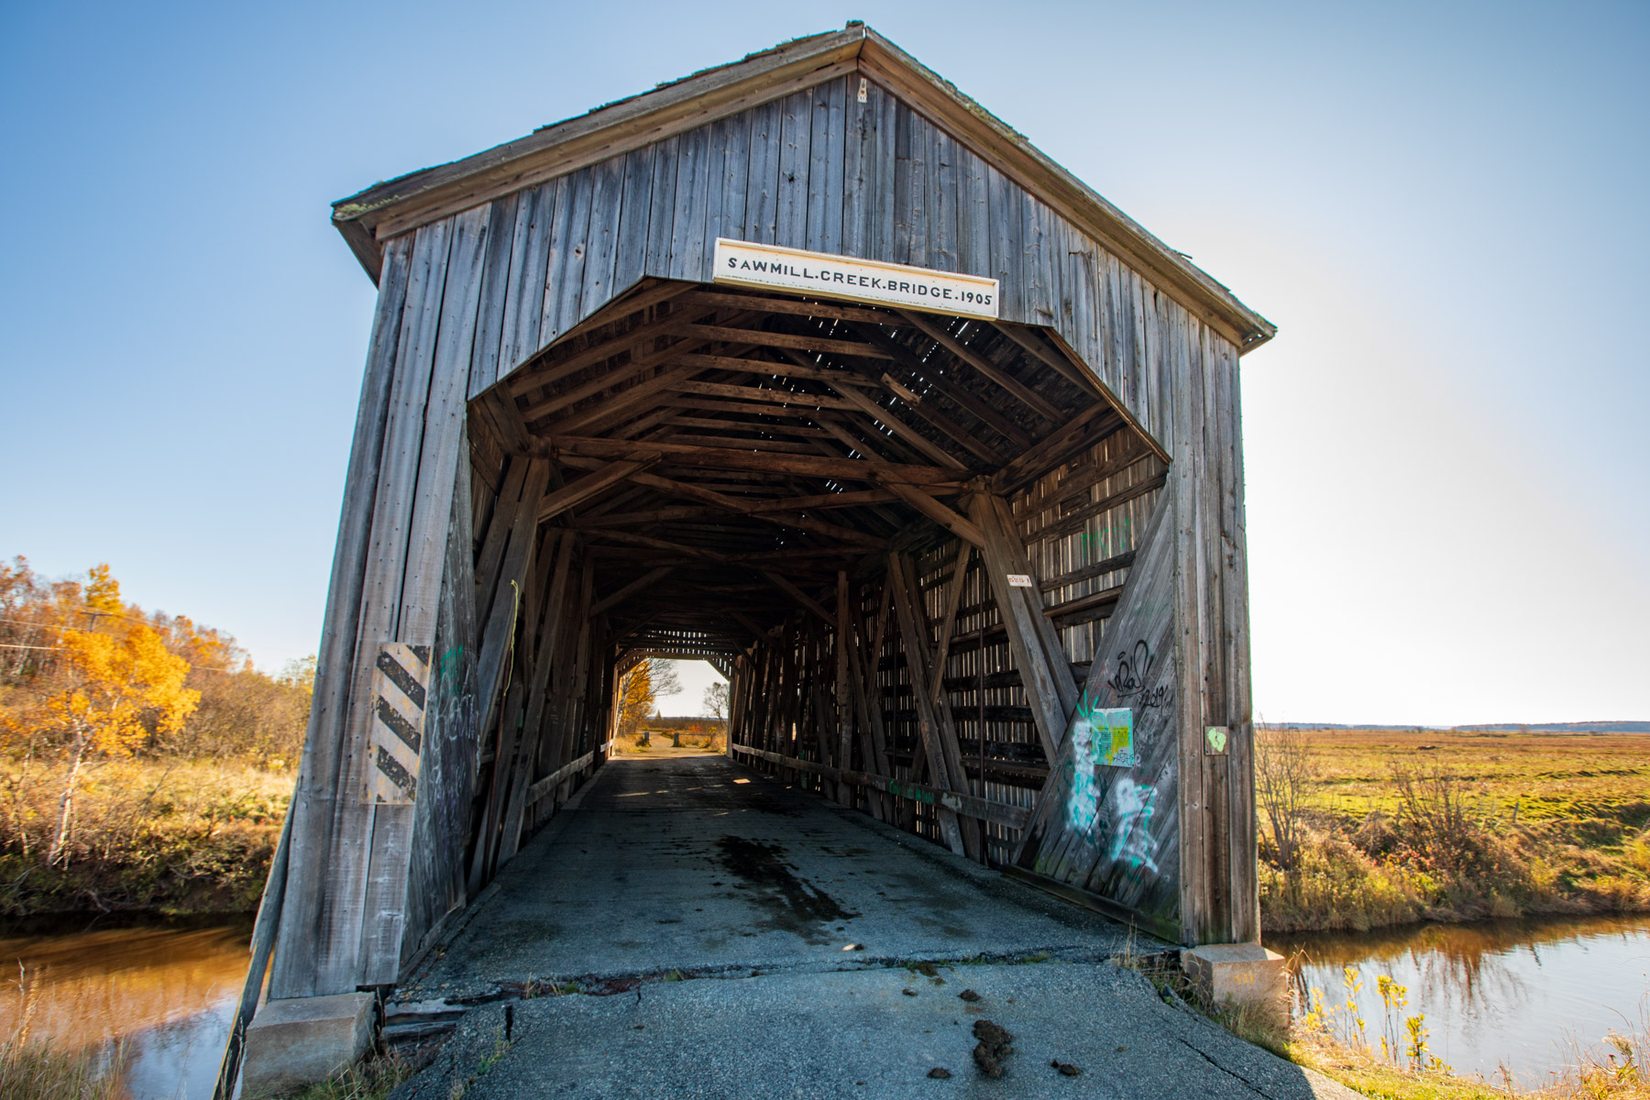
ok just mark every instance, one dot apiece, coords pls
pixel 1133 677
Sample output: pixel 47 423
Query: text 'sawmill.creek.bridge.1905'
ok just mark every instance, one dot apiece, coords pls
pixel 809 367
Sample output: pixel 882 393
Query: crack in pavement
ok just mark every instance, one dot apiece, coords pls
pixel 1201 1053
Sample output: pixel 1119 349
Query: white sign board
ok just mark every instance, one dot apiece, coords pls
pixel 821 275
pixel 1019 580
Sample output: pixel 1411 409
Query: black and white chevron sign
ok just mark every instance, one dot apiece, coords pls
pixel 400 691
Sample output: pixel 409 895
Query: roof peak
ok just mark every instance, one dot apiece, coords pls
pixel 403 204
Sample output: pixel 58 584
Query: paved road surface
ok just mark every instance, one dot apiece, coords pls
pixel 727 936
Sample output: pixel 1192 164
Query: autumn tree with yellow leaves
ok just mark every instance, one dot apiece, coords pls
pixel 639 692
pixel 119 686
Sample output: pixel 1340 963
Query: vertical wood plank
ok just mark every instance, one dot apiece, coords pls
pixel 602 248
pixel 826 171
pixel 973 212
pixel 661 215
pixel 844 688
pixel 858 169
pixel 1007 251
pixel 690 206
pixel 630 262
pixel 529 256
pixel 762 182
pixel 443 440
pixel 727 215
pixel 943 197
pixel 495 286
pixel 569 251
pixel 795 135
pixel 338 866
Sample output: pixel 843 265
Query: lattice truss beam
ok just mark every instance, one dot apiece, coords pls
pixel 723 452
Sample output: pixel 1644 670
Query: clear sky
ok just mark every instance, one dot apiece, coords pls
pixel 1441 205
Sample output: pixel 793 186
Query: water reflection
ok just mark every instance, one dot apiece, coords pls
pixel 1523 994
pixel 166 993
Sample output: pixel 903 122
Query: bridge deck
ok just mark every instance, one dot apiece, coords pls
pixel 694 864
pixel 819 923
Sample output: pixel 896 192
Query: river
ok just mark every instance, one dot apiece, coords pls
pixel 164 991
pixel 1524 994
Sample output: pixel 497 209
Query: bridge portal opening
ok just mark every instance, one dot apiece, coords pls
pixel 899 535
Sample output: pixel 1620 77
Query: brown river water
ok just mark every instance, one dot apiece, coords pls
pixel 164 992
pixel 1524 994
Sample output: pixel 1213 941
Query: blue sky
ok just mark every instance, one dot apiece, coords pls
pixel 1441 206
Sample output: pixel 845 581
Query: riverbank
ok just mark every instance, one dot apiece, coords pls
pixel 169 837
pixel 1365 829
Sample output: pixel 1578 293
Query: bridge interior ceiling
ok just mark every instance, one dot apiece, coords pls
pixel 723 453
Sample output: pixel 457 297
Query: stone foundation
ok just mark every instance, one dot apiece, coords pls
pixel 298 1041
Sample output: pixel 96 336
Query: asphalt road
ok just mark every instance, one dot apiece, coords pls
pixel 689 928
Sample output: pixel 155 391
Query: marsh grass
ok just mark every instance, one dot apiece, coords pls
pixel 1394 827
pixel 371 1079
pixel 32 1069
pixel 1333 1038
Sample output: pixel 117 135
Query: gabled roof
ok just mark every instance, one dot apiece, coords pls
pixel 388 209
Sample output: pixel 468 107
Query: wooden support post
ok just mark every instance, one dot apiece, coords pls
pixel 945 761
pixel 843 638
pixel 1044 669
pixel 537 671
pixel 497 629
pixel 1219 892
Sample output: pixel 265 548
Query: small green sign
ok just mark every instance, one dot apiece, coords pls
pixel 1215 739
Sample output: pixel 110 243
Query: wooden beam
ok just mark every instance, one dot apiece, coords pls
pixel 498 626
pixel 1019 390
pixel 784 585
pixel 720 458
pixel 1051 358
pixel 982 809
pixel 930 450
pixel 1044 670
pixel 797 307
pixel 944 761
pixel 799 367
pixel 975 406
pixel 553 369
pixel 1087 428
pixel 734 506
pixel 576 493
pixel 646 580
pixel 767 339
pixel 844 688
pixel 939 513
pixel 541 790
pixel 948 620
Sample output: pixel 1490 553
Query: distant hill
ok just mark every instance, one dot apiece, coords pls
pixel 1500 727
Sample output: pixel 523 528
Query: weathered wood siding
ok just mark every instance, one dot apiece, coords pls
pixel 821 170
pixel 441 823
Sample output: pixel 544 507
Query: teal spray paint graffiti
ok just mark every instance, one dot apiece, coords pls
pixel 1131 838
pixel 1099 545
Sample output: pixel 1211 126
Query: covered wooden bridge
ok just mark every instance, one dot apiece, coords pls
pixel 811 368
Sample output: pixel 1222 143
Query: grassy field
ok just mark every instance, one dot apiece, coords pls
pixel 1401 826
pixel 1591 785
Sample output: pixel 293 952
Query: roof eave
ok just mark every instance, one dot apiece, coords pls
pixel 1052 183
